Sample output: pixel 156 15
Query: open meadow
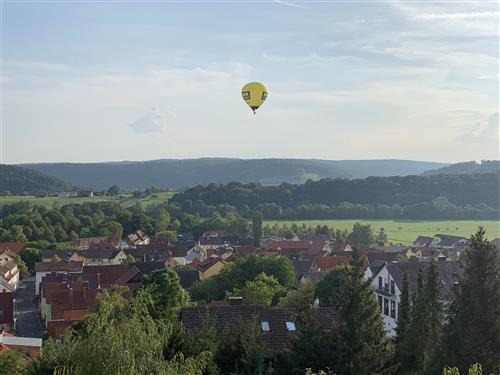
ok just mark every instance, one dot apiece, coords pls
pixel 406 231
pixel 126 200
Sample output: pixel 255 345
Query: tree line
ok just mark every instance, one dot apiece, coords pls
pixel 471 196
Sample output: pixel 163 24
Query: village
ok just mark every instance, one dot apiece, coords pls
pixel 66 283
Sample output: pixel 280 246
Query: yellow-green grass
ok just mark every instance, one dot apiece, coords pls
pixel 155 199
pixel 50 201
pixel 407 231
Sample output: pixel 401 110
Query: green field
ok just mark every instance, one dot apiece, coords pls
pixel 407 231
pixel 125 200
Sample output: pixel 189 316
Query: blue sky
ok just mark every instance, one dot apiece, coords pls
pixel 97 81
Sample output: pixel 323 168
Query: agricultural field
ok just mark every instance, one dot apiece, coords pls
pixel 125 200
pixel 406 231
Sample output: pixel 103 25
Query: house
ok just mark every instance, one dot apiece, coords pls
pixel 342 247
pixel 300 266
pixel 325 264
pixel 298 249
pixel 277 326
pixel 44 268
pixel 85 243
pixel 9 276
pixel 6 310
pixel 85 193
pixel 210 267
pixel 139 237
pixel 388 281
pixel 30 346
pixel 496 242
pixel 15 247
pixel 67 194
pixel 97 256
pixel 422 241
pixel 7 256
pixel 316 237
pixel 188 277
pixel 426 253
pixel 447 241
pixel 310 277
pixel 244 250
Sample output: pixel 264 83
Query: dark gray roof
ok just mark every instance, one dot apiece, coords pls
pixel 188 277
pixel 449 274
pixel 90 253
pixel 300 266
pixel 148 267
pixel 277 339
pixel 448 240
pixel 425 240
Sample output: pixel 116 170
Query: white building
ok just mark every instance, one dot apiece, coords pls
pixel 44 268
pixel 388 283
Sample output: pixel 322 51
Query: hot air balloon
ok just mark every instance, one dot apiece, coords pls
pixel 254 94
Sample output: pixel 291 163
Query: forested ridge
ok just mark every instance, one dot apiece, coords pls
pixel 473 196
pixel 18 180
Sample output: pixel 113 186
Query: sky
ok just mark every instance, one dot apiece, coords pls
pixel 110 81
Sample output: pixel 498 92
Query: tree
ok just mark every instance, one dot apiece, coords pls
pixel 23 269
pixel 301 298
pixel 55 258
pixel 166 292
pixel 113 190
pixel 402 350
pixel 358 337
pixel 30 256
pixel 240 351
pixel 257 227
pixel 381 237
pixel 361 235
pixel 118 337
pixel 472 332
pixel 17 234
pixel 11 362
pixel 263 290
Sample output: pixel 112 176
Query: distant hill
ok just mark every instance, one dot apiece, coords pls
pixel 486 166
pixel 19 180
pixel 176 174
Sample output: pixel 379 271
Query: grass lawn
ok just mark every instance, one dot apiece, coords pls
pixel 407 231
pixel 155 199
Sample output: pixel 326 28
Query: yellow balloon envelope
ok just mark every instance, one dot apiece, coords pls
pixel 254 94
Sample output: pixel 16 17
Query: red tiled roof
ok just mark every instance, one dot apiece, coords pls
pixel 16 247
pixel 325 264
pixel 61 266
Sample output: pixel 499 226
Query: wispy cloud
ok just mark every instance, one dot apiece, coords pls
pixel 289 4
pixel 152 122
pixel 456 16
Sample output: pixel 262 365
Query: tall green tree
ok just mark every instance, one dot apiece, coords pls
pixel 257 227
pixel 166 292
pixel 402 354
pixel 361 235
pixel 263 290
pixel 472 332
pixel 358 338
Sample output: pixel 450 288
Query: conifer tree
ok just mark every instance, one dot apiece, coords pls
pixel 401 341
pixel 358 335
pixel 473 326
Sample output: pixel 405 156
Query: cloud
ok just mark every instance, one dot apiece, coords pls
pixel 289 4
pixel 456 16
pixel 152 122
pixel 484 132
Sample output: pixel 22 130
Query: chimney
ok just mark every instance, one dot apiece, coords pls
pixel 234 301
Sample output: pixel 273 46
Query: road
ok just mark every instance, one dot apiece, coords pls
pixel 28 322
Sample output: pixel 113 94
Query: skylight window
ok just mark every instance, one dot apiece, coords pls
pixel 290 326
pixel 264 326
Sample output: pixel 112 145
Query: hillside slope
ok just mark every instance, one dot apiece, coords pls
pixel 486 166
pixel 19 180
pixel 176 174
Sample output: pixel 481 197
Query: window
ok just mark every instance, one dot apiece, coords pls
pixel 393 289
pixel 380 302
pixel 393 309
pixel 386 306
pixel 380 282
pixel 264 326
pixel 290 326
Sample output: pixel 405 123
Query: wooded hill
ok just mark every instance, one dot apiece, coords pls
pixel 471 196
pixel 178 174
pixel 19 180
